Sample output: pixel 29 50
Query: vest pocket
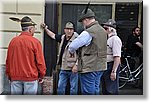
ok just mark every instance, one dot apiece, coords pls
pixel 70 64
pixel 87 54
pixel 71 60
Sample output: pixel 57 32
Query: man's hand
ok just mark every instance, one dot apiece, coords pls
pixel 44 26
pixel 41 80
pixel 113 76
pixel 75 69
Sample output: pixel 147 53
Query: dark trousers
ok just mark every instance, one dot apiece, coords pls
pixel 110 87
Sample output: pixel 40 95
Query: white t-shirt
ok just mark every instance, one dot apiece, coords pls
pixel 114 45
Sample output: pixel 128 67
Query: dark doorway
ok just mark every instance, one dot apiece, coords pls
pixel 50 45
pixel 126 18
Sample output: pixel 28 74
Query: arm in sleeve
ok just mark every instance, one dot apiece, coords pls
pixel 116 46
pixel 139 45
pixel 83 39
pixel 7 63
pixel 58 38
pixel 40 62
pixel 53 35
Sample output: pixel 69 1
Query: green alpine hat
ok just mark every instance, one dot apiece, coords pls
pixel 110 23
pixel 86 13
pixel 69 25
pixel 27 21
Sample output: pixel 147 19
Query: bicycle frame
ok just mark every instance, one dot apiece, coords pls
pixel 129 76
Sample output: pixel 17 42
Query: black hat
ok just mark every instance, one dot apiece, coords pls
pixel 86 14
pixel 26 21
pixel 110 23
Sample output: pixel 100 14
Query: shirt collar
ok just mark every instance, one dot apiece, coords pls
pixel 26 33
pixel 93 23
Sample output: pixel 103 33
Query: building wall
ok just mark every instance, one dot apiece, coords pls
pixel 96 1
pixel 10 29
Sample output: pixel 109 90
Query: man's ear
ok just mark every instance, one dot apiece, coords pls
pixel 112 30
pixel 30 29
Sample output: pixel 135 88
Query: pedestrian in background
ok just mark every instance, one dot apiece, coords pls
pixel 134 47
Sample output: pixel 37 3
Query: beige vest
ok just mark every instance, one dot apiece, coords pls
pixel 67 61
pixel 93 57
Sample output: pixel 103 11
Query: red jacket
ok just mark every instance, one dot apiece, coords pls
pixel 25 60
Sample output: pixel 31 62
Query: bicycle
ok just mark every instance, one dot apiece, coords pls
pixel 128 76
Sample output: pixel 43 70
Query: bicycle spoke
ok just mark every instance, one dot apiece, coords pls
pixel 123 76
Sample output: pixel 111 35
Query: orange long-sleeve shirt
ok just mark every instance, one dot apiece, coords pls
pixel 25 60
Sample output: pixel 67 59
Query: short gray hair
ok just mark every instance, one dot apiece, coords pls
pixel 25 28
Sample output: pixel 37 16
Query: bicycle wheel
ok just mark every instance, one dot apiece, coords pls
pixel 123 76
pixel 139 77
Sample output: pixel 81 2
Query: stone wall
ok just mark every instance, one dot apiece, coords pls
pixel 47 86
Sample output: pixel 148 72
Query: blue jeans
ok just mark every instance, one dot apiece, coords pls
pixel 64 76
pixel 90 83
pixel 24 87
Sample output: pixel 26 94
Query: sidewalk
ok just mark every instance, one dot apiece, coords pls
pixel 127 90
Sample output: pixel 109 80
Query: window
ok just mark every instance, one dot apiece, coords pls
pixel 103 12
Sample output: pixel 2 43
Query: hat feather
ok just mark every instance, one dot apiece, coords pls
pixel 87 7
pixel 15 19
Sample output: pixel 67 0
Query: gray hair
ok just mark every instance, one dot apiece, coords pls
pixel 25 28
pixel 112 30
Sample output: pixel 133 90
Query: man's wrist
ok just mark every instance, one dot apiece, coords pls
pixel 45 28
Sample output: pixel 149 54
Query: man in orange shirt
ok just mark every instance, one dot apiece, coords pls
pixel 25 64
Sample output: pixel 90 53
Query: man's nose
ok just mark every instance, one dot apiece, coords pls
pixel 69 30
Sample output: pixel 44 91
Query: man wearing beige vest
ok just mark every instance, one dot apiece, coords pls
pixel 92 53
pixel 67 62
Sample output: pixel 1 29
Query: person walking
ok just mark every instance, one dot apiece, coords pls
pixel 25 64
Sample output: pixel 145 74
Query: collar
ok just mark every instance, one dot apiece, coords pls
pixel 91 24
pixel 25 33
pixel 111 35
pixel 75 35
pixel 71 38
